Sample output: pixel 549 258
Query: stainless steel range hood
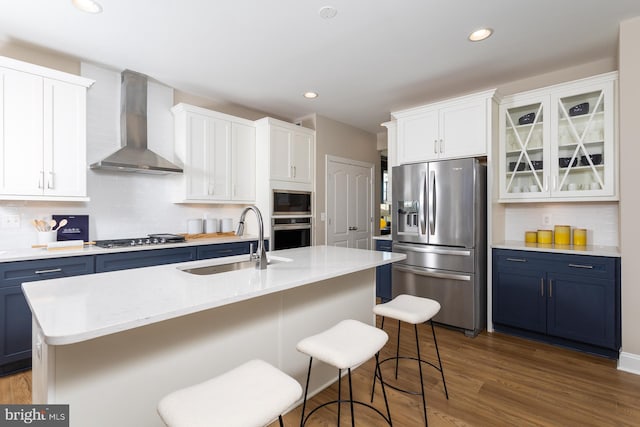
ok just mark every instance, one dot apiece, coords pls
pixel 134 156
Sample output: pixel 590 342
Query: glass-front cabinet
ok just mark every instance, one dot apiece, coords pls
pixel 558 143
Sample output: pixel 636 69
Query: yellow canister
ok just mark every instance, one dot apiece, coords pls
pixel 562 234
pixel 580 237
pixel 544 236
pixel 530 236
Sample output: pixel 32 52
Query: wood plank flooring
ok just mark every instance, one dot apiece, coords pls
pixel 493 380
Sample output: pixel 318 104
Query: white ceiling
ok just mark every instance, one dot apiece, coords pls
pixel 374 57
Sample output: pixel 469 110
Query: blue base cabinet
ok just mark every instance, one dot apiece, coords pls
pixel 145 258
pixel 383 273
pixel 566 299
pixel 15 315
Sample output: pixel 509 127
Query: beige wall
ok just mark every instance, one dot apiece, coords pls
pixel 629 199
pixel 341 140
pixel 221 106
pixel 39 56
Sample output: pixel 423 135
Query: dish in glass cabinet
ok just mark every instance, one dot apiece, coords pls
pixel 537 164
pixel 526 119
pixel 596 159
pixel 512 166
pixel 580 109
pixel 564 162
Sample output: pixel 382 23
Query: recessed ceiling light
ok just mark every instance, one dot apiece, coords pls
pixel 328 12
pixel 481 34
pixel 89 6
pixel 310 95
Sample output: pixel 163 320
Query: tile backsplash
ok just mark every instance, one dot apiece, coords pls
pixel 600 219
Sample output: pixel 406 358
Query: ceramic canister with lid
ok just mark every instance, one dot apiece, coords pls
pixel 562 234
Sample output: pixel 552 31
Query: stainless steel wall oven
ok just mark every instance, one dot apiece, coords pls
pixel 287 233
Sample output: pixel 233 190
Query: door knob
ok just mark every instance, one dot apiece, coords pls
pixel 353 228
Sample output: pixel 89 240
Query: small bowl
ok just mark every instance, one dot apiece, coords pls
pixel 596 159
pixel 563 162
pixel 512 166
pixel 537 164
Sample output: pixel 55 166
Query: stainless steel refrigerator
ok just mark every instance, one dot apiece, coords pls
pixel 439 221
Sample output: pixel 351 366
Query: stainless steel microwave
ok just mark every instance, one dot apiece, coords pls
pixel 289 202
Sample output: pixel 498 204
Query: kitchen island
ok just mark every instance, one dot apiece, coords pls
pixel 112 344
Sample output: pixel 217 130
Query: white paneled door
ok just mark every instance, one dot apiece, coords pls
pixel 349 203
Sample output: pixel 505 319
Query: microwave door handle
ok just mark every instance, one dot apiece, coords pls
pixel 432 202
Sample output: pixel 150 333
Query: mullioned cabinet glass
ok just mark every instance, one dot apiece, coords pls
pixel 558 143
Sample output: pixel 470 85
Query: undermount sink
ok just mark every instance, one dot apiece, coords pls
pixel 232 266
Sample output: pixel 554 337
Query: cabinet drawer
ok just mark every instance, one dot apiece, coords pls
pixel 15 273
pixel 227 249
pixel 384 245
pixel 146 258
pixel 584 265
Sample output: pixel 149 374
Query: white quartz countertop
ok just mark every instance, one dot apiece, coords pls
pixel 25 254
pixel 609 251
pixel 385 237
pixel 75 309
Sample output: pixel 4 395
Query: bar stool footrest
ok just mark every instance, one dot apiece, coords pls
pixel 386 383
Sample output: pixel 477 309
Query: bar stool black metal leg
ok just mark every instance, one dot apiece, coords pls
pixel 339 394
pixel 435 341
pixel 280 419
pixel 353 418
pixel 424 401
pixel 384 393
pixel 306 389
pixel 398 349
pixel 373 387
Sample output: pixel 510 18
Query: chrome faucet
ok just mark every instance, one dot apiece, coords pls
pixel 260 256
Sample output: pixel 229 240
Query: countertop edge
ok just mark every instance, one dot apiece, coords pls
pixel 108 329
pixel 590 250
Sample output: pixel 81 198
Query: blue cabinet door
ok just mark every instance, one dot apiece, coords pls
pixel 144 258
pixel 518 299
pixel 582 309
pixel 15 315
pixel 383 273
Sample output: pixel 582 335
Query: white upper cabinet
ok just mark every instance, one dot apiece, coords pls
pixel 290 149
pixel 43 133
pixel 559 144
pixel 454 128
pixel 218 155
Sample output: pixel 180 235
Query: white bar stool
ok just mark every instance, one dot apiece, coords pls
pixel 414 310
pixel 253 394
pixel 345 345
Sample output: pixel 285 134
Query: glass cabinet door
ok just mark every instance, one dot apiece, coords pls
pixel 583 154
pixel 524 151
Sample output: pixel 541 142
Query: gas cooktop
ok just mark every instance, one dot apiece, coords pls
pixel 151 239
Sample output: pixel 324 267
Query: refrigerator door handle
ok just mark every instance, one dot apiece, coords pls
pixel 432 273
pixel 422 213
pixel 432 202
pixel 431 250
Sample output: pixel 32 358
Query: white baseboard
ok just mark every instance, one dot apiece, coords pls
pixel 629 362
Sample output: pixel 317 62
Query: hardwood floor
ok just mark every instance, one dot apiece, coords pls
pixel 493 380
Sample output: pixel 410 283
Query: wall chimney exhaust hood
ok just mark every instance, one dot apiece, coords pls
pixel 134 156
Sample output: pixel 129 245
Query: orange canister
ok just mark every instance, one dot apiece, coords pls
pixel 580 237
pixel 530 236
pixel 544 236
pixel 562 234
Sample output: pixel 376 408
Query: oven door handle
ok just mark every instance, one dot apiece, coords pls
pixel 291 227
pixel 432 273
